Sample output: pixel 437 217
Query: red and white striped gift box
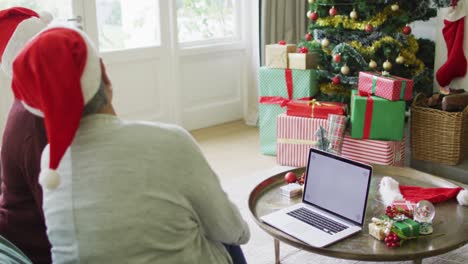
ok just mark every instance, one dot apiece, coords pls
pixel 374 151
pixel 295 137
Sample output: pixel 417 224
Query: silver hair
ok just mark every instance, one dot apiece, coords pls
pixel 98 101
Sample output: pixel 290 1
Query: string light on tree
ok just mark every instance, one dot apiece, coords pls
pixel 372 64
pixel 345 70
pixel 406 30
pixel 353 14
pixel 325 42
pixel 387 65
pixel 400 59
pixel 395 7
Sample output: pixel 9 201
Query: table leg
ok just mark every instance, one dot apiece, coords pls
pixel 417 261
pixel 277 252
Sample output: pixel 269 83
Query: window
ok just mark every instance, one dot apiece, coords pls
pixel 201 20
pixel 126 24
pixel 58 8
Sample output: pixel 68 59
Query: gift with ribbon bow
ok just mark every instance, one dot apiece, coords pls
pixel 386 86
pixel 315 109
pixel 276 55
pixel 303 60
pixel 391 153
pixel 296 135
pixel 377 118
pixel 277 87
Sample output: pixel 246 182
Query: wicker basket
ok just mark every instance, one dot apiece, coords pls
pixel 438 136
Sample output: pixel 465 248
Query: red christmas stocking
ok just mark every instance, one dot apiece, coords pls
pixel 454 34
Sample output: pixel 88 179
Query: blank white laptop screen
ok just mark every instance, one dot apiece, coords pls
pixel 348 198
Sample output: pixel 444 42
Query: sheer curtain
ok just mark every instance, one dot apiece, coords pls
pixel 278 20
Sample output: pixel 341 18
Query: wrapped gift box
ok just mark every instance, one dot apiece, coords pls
pixel 277 86
pixel 314 109
pixel 404 204
pixel 386 86
pixel 374 151
pixel 377 231
pixel 373 117
pixel 296 135
pixel 303 61
pixel 408 227
pixel 276 55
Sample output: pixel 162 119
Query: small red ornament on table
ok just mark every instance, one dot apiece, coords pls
pixel 290 177
pixel 392 240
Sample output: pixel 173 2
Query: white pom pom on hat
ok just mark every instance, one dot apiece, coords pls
pixel 49 179
pixel 462 197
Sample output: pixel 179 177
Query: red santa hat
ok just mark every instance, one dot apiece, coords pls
pixel 57 73
pixel 390 191
pixel 17 26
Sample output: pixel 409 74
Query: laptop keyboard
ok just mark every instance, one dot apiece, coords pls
pixel 325 224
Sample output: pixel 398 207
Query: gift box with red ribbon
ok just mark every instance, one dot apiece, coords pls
pixel 276 55
pixel 277 87
pixel 386 86
pixel 374 117
pixel 382 152
pixel 315 109
pixel 296 135
pixel 303 60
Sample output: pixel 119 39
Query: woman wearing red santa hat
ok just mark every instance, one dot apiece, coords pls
pixel 118 191
pixel 24 138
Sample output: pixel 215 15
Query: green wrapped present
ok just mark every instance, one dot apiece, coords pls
pixel 276 88
pixel 373 117
pixel 408 227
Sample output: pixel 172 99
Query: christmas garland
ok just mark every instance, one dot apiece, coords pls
pixel 349 23
pixel 333 89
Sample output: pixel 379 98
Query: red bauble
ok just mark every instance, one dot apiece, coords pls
pixel 308 37
pixel 282 42
pixel 336 80
pixel 337 58
pixel 290 177
pixel 369 28
pixel 406 30
pixel 333 11
pixel 303 50
pixel 314 16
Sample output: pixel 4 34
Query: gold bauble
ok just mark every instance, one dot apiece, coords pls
pixel 395 7
pixel 345 70
pixel 353 14
pixel 325 42
pixel 400 60
pixel 311 1
pixel 308 13
pixel 387 65
pixel 372 64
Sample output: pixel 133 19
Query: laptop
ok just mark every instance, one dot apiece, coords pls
pixel 333 202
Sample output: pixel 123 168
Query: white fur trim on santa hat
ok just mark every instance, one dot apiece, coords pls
pixel 46 17
pixel 49 179
pixel 24 32
pixel 389 190
pixel 457 12
pixel 462 197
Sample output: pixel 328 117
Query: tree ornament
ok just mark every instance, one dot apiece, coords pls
pixel 333 11
pixel 290 177
pixel 395 7
pixel 372 64
pixel 369 28
pixel 336 80
pixel 353 14
pixel 308 14
pixel 311 1
pixel 314 16
pixel 387 65
pixel 337 58
pixel 406 30
pixel 400 59
pixel 325 42
pixel 308 37
pixel 303 50
pixel 345 70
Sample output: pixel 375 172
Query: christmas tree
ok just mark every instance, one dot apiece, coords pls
pixel 369 35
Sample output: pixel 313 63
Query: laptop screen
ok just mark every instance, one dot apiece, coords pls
pixel 337 185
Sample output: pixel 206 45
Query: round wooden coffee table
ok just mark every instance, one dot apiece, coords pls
pixel 450 223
